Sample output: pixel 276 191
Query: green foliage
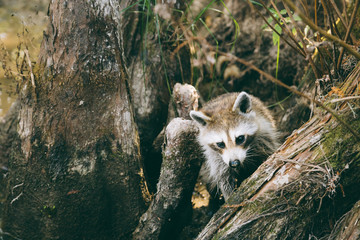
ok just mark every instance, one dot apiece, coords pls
pixel 49 211
pixel 283 19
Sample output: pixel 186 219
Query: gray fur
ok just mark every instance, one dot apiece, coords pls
pixel 222 120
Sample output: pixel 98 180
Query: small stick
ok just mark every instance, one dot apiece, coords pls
pixel 277 81
pixel 348 32
pixel 298 47
pixel 323 32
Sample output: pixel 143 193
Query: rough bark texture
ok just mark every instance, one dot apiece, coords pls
pixel 153 74
pixel 8 134
pixel 179 171
pixel 10 146
pixel 302 189
pixel 79 173
pixel 348 227
pixel 186 99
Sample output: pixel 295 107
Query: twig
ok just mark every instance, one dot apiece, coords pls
pixel 282 19
pixel 344 11
pixel 183 44
pixel 305 7
pixel 321 31
pixel 16 198
pixel 297 49
pixel 8 234
pixel 334 30
pixel 318 35
pixel 348 32
pixel 289 32
pixel 16 186
pixel 339 14
pixel 316 20
pixel 30 67
pixel 308 57
pixel 332 21
pixel 277 81
pixel 352 110
pixel 344 99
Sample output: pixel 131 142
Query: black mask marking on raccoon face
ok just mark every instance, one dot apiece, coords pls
pixel 239 140
pixel 220 145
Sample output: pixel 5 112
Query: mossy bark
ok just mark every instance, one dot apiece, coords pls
pixel 80 174
pixel 303 188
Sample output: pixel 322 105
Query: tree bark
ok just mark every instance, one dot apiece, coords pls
pixel 153 72
pixel 303 188
pixel 80 174
pixel 348 227
pixel 181 164
pixel 73 148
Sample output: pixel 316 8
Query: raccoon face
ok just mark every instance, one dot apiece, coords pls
pixel 230 145
pixel 228 135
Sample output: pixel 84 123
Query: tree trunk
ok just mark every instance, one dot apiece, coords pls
pixel 303 188
pixel 179 171
pixel 79 174
pixel 150 86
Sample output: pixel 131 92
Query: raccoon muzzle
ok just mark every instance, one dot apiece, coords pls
pixel 234 163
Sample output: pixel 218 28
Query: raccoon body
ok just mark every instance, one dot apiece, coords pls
pixel 237 133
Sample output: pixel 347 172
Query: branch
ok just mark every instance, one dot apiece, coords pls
pixel 179 171
pixel 277 81
pixel 182 158
pixel 323 32
pixel 348 31
pixel 186 99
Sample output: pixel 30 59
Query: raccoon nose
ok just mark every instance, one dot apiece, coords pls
pixel 234 163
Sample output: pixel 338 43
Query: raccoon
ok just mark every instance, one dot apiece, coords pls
pixel 237 133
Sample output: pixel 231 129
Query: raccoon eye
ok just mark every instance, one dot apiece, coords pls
pixel 220 145
pixel 240 140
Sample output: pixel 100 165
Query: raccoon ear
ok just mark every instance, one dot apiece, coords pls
pixel 199 117
pixel 243 103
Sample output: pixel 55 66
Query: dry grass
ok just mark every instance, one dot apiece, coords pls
pixel 21 29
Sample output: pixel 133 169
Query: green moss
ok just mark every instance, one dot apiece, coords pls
pixel 216 237
pixel 338 143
